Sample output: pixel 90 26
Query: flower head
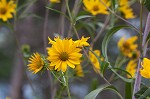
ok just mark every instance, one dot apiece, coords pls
pixel 82 42
pixel 6 9
pixel 54 1
pixel 96 7
pixel 145 71
pixel 36 63
pixel 127 46
pixel 131 68
pixel 125 9
pixel 79 71
pixel 134 55
pixel 63 53
pixel 94 60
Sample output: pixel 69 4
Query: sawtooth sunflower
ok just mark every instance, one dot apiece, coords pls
pixel 63 53
pixel 36 63
pixel 7 9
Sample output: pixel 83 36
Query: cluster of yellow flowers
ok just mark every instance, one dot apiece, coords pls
pixel 129 49
pixel 93 6
pixel 63 53
pixel 99 7
pixel 7 9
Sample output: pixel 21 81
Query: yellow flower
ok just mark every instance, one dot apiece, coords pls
pixel 123 2
pixel 134 55
pixel 36 63
pixel 79 71
pixel 145 71
pixel 127 46
pixel 63 53
pixel 55 1
pixel 96 7
pixel 82 42
pixel 131 68
pixel 94 60
pixel 6 9
pixel 125 9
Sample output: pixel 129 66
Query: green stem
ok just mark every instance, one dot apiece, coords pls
pixel 67 85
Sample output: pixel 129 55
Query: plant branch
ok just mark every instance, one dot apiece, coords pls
pixel 138 76
pixel 62 19
pixel 101 30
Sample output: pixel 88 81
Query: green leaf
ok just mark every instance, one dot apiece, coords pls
pixel 148 37
pixel 128 90
pixel 94 84
pixel 113 3
pixel 147 4
pixel 122 71
pixel 103 67
pixel 143 93
pixel 83 17
pixel 100 24
pixel 107 38
pixel 94 93
pixel 58 12
pixel 30 15
pixel 121 77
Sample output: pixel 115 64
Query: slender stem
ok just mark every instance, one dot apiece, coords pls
pixel 141 26
pixel 74 12
pixel 104 79
pixel 67 85
pixel 45 29
pixel 57 77
pixel 146 32
pixel 69 12
pixel 45 45
pixel 118 64
pixel 101 30
pixel 138 76
pixel 62 19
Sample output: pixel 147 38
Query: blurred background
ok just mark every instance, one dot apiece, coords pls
pixel 16 81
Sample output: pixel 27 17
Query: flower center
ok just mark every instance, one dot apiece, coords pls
pixel 3 11
pixel 95 8
pixel 64 56
pixel 126 45
pixel 135 55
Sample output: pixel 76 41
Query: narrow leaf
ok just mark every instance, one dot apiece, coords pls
pixel 58 12
pixel 83 17
pixel 104 66
pixel 108 37
pixel 148 37
pixel 121 77
pixel 94 93
pixel 144 93
pixel 122 71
